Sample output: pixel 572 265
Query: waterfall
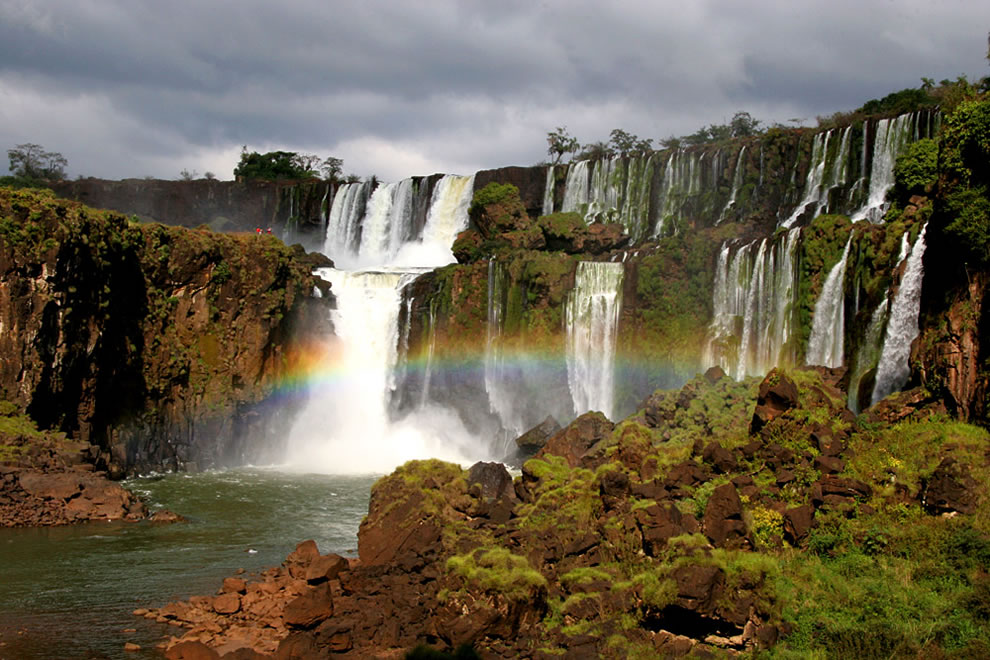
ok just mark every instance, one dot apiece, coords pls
pixel 893 369
pixel 592 317
pixel 890 138
pixel 737 177
pixel 753 307
pixel 576 188
pixel 344 226
pixel 347 425
pixel 838 173
pixel 867 354
pixel 375 229
pixel 548 192
pixel 499 383
pixel 816 175
pixel 825 346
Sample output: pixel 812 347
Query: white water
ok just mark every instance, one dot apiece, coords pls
pixel 867 354
pixel 592 317
pixel 498 381
pixel 893 369
pixel 891 137
pixel 753 307
pixel 825 346
pixel 815 178
pixel 548 192
pixel 576 188
pixel 736 182
pixel 346 427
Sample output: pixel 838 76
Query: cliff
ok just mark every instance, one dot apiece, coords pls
pixel 160 345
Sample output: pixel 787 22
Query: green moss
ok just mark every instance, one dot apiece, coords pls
pixel 496 570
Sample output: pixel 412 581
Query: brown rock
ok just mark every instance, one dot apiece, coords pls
pixel 720 458
pixel 326 567
pixel 829 464
pixel 534 439
pixel 309 609
pixel 950 488
pixel 574 441
pixel 226 604
pixel 723 517
pixel 494 480
pixel 131 646
pixel 777 395
pixel 234 585
pixel 191 651
pixel 699 587
pixel 798 522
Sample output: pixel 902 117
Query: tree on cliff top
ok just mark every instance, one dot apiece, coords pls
pixel 560 142
pixel 31 161
pixel 287 165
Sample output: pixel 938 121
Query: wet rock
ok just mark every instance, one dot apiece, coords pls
pixel 534 439
pixel 829 464
pixel 614 483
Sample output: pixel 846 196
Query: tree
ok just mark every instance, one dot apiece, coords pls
pixel 31 161
pixel 560 142
pixel 186 175
pixel 286 165
pixel 594 151
pixel 743 125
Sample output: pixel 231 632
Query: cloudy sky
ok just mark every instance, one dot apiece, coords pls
pixel 133 88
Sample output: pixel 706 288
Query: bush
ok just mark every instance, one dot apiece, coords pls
pixel 916 170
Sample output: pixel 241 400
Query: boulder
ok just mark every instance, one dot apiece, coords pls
pixel 227 603
pixel 191 651
pixel 777 395
pixel 574 441
pixel 534 439
pixel 950 488
pixel 326 567
pixel 309 609
pixel 798 522
pixel 720 458
pixel 492 480
pixel 723 518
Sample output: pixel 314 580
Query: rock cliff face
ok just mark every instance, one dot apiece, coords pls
pixel 296 210
pixel 160 345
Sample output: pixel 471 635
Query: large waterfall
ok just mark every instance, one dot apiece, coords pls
pixel 499 384
pixel 592 317
pixel 828 324
pixel 346 426
pixel 753 307
pixel 893 369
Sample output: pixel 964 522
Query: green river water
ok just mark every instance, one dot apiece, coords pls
pixel 69 592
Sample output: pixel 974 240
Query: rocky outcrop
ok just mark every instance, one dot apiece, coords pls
pixel 157 344
pixel 293 209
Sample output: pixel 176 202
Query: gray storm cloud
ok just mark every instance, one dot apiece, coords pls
pixel 395 89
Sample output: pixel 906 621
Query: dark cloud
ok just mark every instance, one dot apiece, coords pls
pixel 132 89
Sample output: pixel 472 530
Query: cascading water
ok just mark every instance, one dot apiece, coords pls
pixel 826 344
pixel 867 354
pixel 499 383
pixel 892 135
pixel 592 317
pixel 753 304
pixel 346 426
pixel 576 188
pixel 816 175
pixel 548 191
pixel 893 369
pixel 736 183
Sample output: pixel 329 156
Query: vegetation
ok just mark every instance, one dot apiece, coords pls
pixel 560 143
pixel 275 165
pixel 31 166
